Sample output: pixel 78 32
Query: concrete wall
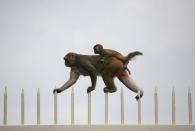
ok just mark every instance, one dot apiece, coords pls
pixel 99 128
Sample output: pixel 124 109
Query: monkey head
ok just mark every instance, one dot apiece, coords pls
pixel 98 48
pixel 70 59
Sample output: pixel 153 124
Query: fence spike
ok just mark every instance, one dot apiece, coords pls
pixel 106 108
pixel 156 105
pixel 122 106
pixel 5 107
pixel 22 107
pixel 155 91
pixel 139 107
pixel 89 108
pixel 173 106
pixel 55 108
pixel 72 106
pixel 190 106
pixel 5 90
pixel 38 106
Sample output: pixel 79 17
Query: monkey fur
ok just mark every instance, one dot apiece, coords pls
pixel 91 65
pixel 106 53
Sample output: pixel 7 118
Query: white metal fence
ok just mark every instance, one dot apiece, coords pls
pixel 92 127
pixel 106 108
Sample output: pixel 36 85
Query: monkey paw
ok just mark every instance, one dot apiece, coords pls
pixel 108 90
pixel 56 90
pixel 89 89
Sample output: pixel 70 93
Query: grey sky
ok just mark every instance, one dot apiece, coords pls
pixel 36 34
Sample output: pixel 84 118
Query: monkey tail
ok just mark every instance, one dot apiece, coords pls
pixel 129 57
pixel 133 54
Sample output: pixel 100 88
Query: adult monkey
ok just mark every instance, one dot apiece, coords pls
pixel 90 65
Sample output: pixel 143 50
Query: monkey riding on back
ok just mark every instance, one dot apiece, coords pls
pixel 108 64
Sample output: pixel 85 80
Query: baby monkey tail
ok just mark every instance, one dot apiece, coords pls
pixel 133 54
pixel 129 57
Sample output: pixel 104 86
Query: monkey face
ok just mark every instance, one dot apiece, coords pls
pixel 97 50
pixel 70 59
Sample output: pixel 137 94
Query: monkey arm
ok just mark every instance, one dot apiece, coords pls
pixel 106 54
pixel 73 78
pixel 91 70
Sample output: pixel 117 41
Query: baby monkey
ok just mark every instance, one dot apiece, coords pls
pixel 106 53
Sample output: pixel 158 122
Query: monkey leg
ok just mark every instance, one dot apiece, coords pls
pixel 131 85
pixel 109 82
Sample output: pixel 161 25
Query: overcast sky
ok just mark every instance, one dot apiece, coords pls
pixel 36 34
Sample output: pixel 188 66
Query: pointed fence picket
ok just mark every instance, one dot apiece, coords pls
pixel 106 108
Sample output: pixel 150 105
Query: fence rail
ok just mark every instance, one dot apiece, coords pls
pixel 99 128
pixel 106 108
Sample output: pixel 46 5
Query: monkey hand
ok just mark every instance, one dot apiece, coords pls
pixel 57 90
pixel 89 89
